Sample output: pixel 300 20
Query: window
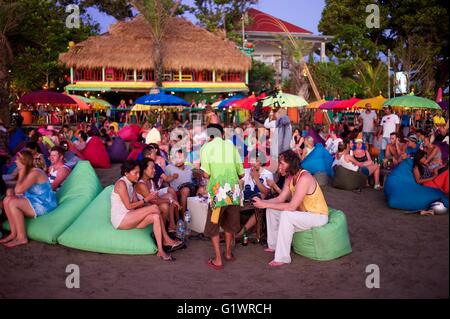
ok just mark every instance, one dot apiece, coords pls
pixel 88 75
pixel 230 77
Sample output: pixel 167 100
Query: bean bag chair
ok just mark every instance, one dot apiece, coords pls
pixel 137 148
pixel 319 161
pixel 402 191
pixel 95 152
pixel 441 182
pixel 118 152
pixel 322 179
pixel 348 180
pixel 129 133
pixel 328 242
pixel 16 138
pixel 317 138
pixel 78 190
pixel 95 129
pixel 93 231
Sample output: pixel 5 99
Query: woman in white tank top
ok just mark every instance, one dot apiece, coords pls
pixel 128 213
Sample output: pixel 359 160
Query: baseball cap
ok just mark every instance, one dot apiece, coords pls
pixel 359 140
pixel 412 138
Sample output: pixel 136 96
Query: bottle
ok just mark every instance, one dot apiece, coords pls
pixel 181 229
pixel 187 220
pixel 245 237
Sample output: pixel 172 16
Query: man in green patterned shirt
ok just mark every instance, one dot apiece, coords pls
pixel 222 165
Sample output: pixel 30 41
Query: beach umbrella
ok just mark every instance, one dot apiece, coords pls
pixel 83 103
pixel 315 105
pixel 376 102
pixel 284 100
pixel 99 104
pixel 152 101
pixel 413 102
pixel 329 105
pixel 346 104
pixel 47 97
pixel 247 103
pixel 226 103
pixel 215 105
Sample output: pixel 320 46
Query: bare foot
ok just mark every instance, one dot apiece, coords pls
pixel 16 242
pixel 274 263
pixel 427 213
pixel 269 250
pixel 7 239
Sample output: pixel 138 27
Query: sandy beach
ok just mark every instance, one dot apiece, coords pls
pixel 412 253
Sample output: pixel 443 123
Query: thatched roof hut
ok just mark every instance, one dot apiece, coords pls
pixel 128 45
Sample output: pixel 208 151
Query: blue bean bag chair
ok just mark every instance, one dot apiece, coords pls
pixel 78 190
pixel 319 161
pixel 16 138
pixel 118 152
pixel 402 191
pixel 93 231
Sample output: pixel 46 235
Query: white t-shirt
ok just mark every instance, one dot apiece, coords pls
pixel 184 175
pixel 263 177
pixel 368 119
pixel 332 145
pixel 388 122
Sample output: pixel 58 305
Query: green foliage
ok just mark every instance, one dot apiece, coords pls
pixel 38 41
pixel 226 15
pixel 426 20
pixel 262 77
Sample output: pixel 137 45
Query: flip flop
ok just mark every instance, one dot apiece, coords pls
pixel 212 265
pixel 168 258
pixel 171 249
pixel 231 259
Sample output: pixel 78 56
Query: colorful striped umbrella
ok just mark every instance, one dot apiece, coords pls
pixel 375 102
pixel 316 104
pixel 346 104
pixel 329 105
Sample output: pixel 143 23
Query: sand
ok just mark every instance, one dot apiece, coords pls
pixel 411 251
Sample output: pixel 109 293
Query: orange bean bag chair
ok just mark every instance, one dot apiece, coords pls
pixel 95 152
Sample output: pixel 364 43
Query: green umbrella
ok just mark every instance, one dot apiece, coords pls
pixel 284 100
pixel 413 102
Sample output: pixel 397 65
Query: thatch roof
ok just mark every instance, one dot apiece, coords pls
pixel 128 45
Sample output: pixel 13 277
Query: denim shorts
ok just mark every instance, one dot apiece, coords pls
pixel 384 143
pixel 368 137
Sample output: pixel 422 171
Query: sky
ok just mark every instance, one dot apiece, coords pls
pixel 303 13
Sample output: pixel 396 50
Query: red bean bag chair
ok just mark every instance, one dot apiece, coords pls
pixel 95 152
pixel 130 133
pixel 441 182
pixel 137 148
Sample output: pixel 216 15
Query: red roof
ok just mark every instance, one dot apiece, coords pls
pixel 263 22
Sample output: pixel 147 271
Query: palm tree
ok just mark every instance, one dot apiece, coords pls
pixel 158 13
pixel 10 16
pixel 373 80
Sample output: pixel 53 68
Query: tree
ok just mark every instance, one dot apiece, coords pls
pixel 10 18
pixel 215 15
pixel 158 14
pixel 372 79
pixel 345 19
pixel 261 77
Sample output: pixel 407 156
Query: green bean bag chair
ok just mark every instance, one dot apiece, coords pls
pixel 324 243
pixel 348 180
pixel 78 190
pixel 93 231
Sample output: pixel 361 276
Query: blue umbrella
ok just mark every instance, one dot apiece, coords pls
pixel 225 103
pixel 161 99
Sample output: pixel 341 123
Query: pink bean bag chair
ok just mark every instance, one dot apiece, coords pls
pixel 95 152
pixel 130 133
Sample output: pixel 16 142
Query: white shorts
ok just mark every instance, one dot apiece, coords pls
pixel 163 191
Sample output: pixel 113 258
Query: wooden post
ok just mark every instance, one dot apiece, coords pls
pixel 246 77
pixel 135 75
pixel 103 74
pixel 214 76
pixel 71 75
pixel 180 76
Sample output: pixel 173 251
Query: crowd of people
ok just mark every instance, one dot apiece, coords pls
pixel 256 163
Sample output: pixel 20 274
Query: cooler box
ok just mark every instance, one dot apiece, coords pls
pixel 199 212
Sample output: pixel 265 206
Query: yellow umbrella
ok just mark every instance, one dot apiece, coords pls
pixel 376 102
pixel 315 105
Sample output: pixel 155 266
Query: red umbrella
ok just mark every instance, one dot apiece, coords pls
pixel 46 97
pixel 346 104
pixel 248 102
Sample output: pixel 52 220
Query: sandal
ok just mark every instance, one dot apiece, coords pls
pixel 175 247
pixel 168 258
pixel 212 265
